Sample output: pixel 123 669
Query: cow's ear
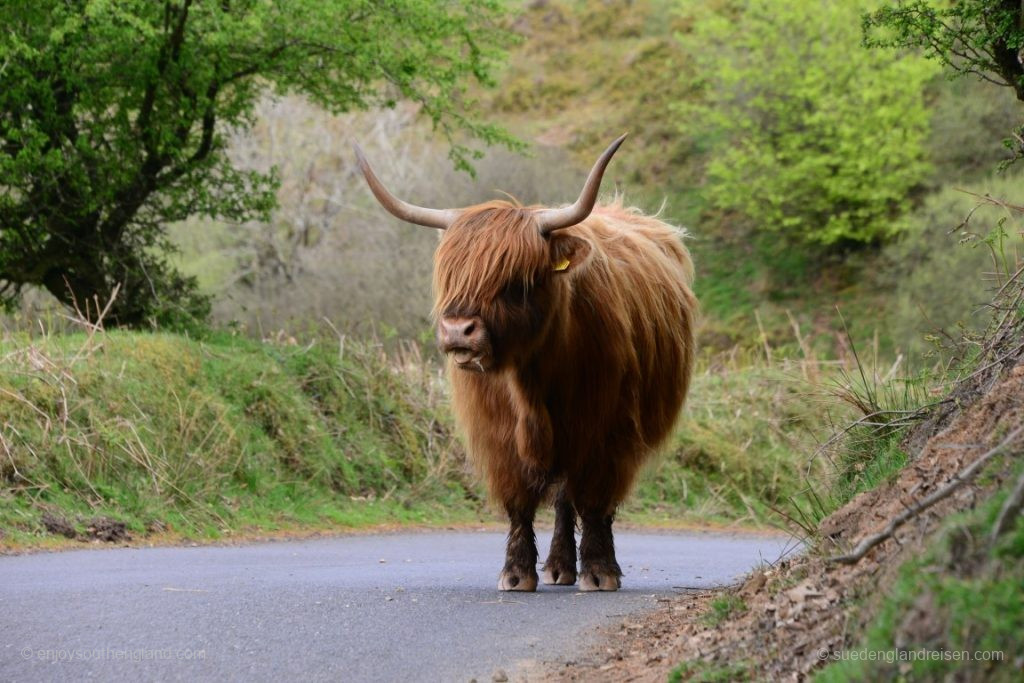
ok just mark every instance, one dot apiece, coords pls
pixel 568 252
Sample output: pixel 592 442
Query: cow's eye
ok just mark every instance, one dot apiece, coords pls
pixel 514 292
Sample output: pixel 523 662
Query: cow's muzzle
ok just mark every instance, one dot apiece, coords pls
pixel 466 341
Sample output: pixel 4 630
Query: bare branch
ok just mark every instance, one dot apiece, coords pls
pixel 956 482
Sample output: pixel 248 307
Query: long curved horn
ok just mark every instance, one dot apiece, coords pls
pixel 556 219
pixel 431 218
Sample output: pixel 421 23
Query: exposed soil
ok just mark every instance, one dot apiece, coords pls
pixel 56 524
pixel 96 529
pixel 794 614
pixel 107 530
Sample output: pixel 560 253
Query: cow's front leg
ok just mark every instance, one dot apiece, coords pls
pixel 560 567
pixel 520 571
pixel 598 569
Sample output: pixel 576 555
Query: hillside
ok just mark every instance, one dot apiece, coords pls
pixel 222 436
pixel 586 72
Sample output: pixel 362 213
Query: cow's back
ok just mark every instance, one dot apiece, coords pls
pixel 625 368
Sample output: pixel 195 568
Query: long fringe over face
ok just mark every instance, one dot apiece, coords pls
pixel 488 247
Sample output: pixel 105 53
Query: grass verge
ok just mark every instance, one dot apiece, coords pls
pixel 209 437
pixel 223 435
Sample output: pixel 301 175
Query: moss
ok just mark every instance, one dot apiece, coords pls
pixel 709 672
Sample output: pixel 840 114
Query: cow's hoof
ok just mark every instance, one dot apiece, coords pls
pixel 517 580
pixel 554 576
pixel 599 580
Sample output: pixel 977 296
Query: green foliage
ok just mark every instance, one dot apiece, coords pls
pixel 979 37
pixel 808 134
pixel 113 119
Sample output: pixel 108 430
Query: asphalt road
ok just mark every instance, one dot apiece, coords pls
pixel 392 607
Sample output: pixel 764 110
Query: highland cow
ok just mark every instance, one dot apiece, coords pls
pixel 569 334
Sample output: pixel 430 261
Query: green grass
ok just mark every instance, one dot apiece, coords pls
pixel 866 465
pixel 222 434
pixel 708 672
pixel 962 594
pixel 723 608
pixel 742 445
pixel 864 448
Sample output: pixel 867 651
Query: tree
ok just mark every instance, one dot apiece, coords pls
pixel 984 38
pixel 113 115
pixel 808 134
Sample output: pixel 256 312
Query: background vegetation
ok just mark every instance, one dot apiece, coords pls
pixel 113 118
pixel 213 329
pixel 806 134
pixel 825 186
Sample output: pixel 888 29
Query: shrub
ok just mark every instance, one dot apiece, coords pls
pixel 808 134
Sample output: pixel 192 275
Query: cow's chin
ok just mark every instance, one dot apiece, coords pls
pixel 470 360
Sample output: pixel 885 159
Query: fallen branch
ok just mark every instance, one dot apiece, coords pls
pixel 958 480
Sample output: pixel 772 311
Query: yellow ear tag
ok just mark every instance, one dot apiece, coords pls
pixel 561 265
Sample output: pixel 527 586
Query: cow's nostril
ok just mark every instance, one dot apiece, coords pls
pixel 461 333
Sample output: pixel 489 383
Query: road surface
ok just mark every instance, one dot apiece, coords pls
pixel 391 607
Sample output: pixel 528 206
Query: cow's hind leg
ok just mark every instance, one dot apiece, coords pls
pixel 520 571
pixel 560 567
pixel 599 570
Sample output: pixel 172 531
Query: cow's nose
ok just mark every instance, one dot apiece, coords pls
pixel 460 333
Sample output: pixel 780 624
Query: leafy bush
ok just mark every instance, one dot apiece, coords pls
pixel 979 37
pixel 808 134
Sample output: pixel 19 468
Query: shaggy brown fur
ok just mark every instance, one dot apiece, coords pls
pixel 588 366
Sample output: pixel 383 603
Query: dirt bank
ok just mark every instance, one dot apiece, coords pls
pixel 784 621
